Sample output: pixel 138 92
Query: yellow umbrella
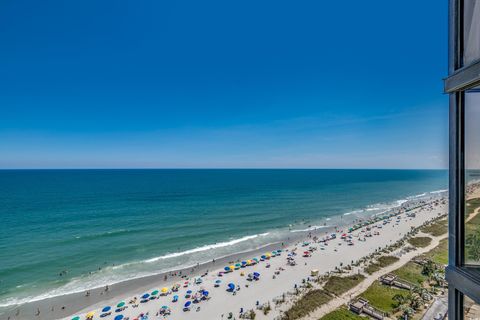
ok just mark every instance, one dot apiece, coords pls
pixel 90 314
pixel 249 261
pixel 164 290
pixel 232 267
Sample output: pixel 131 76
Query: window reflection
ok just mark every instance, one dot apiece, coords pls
pixel 471 15
pixel 471 310
pixel 472 177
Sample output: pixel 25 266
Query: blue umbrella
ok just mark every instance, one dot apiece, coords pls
pixel 231 286
pixel 205 293
pixel 119 317
pixel 256 274
pixel 226 269
pixel 244 262
pixel 189 291
pixel 106 309
pixel 263 257
pixel 187 304
pixel 145 296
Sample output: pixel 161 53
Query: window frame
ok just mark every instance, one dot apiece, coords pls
pixel 462 279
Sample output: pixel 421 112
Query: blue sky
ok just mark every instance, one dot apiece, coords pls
pixel 304 84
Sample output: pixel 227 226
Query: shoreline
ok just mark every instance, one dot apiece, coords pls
pixel 78 302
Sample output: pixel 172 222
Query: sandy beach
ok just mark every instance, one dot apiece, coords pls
pixel 277 277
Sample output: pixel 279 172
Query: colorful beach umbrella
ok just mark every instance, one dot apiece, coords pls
pixel 187 304
pixel 119 317
pixel 164 290
pixel 76 318
pixel 106 309
pixel 154 293
pixel 121 304
pixel 145 296
pixel 90 314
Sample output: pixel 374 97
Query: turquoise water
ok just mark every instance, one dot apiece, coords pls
pixel 103 226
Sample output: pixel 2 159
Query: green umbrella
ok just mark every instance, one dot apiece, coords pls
pixel 121 304
pixel 154 293
pixel 76 318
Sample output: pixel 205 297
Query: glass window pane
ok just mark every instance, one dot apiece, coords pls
pixel 471 34
pixel 472 177
pixel 471 310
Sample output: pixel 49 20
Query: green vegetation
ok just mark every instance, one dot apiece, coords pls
pixel 472 231
pixel 420 242
pixel 399 302
pixel 381 297
pixel 342 313
pixel 382 262
pixel 439 254
pixel 471 205
pixel 437 228
pixel 339 285
pixel 411 272
pixel 306 304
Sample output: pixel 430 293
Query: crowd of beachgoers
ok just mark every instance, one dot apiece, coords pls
pixel 234 290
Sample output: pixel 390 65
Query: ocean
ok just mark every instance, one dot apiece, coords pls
pixel 64 231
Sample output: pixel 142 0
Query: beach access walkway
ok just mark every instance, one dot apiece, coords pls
pixel 345 298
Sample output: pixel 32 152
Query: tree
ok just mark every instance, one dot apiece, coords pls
pixel 429 268
pixel 400 299
pixel 473 246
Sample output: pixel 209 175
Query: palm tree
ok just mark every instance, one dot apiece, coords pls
pixel 429 268
pixel 400 299
pixel 473 246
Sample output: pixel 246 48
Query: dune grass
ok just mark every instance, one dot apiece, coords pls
pixel 437 228
pixel 381 262
pixel 306 304
pixel 471 205
pixel 342 313
pixel 420 242
pixel 316 298
pixel 339 285
pixel 439 254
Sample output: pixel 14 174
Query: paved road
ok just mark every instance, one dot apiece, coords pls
pixel 438 309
